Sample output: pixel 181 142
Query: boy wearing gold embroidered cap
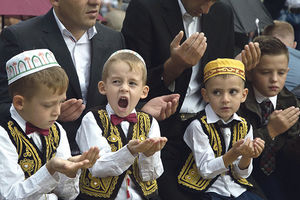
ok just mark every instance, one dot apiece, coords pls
pixel 129 140
pixel 36 161
pixel 220 143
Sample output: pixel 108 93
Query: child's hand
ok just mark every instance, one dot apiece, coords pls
pixel 246 149
pixel 281 120
pixel 259 146
pixel 66 167
pixel 137 146
pixel 158 144
pixel 91 155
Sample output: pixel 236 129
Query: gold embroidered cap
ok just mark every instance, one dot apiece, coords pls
pixel 29 62
pixel 224 66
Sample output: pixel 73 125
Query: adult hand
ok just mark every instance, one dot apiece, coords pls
pixel 71 110
pixel 281 120
pixel 250 56
pixel 162 107
pixel 183 56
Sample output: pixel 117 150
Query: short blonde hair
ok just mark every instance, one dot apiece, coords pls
pixel 55 78
pixel 135 63
pixel 280 29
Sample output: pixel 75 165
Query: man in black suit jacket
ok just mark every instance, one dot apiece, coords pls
pixel 153 28
pixel 79 20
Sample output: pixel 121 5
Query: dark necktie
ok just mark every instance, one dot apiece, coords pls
pixel 267 160
pixel 266 109
pixel 115 119
pixel 31 128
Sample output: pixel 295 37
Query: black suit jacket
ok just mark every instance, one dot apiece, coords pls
pixel 150 26
pixel 43 32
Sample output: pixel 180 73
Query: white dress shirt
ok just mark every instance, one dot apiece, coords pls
pixel 115 163
pixel 260 98
pixel 41 185
pixel 293 3
pixel 80 51
pixel 207 164
pixel 193 102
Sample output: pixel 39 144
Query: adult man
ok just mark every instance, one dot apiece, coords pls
pixel 81 46
pixel 153 29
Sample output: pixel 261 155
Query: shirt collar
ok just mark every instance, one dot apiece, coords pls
pixel 183 10
pixel 110 111
pixel 212 117
pixel 17 117
pixel 91 32
pixel 260 98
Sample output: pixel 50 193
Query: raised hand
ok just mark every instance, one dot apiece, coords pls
pixel 259 146
pixel 281 120
pixel 157 144
pixel 92 155
pixel 183 56
pixel 162 107
pixel 63 166
pixel 71 110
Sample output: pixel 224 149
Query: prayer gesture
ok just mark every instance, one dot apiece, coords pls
pixel 148 146
pixel 281 120
pixel 73 164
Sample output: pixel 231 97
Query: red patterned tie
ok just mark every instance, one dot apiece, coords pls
pixel 31 128
pixel 266 109
pixel 115 119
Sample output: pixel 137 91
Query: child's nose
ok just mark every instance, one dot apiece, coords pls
pixel 226 97
pixel 124 87
pixel 56 110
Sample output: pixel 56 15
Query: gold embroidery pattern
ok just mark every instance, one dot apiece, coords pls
pixel 104 187
pixel 29 159
pixel 189 175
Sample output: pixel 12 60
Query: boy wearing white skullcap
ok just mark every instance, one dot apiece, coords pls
pixel 129 140
pixel 36 162
pixel 220 143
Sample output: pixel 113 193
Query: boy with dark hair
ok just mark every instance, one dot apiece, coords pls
pixel 273 112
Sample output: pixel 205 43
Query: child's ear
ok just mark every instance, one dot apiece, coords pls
pixel 18 102
pixel 244 95
pixel 204 95
pixel 145 92
pixel 101 87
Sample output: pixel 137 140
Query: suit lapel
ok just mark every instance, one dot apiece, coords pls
pixel 173 20
pixel 172 17
pixel 57 45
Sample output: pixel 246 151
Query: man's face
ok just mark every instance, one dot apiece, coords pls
pixel 269 76
pixel 77 15
pixel 197 7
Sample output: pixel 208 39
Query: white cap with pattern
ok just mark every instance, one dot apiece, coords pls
pixel 29 62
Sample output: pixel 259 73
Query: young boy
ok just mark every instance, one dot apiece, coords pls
pixel 285 33
pixel 220 146
pixel 36 161
pixel 274 112
pixel 129 141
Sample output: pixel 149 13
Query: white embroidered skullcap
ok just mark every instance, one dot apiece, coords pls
pixel 128 51
pixel 29 62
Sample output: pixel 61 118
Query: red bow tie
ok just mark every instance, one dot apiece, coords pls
pixel 115 119
pixel 31 128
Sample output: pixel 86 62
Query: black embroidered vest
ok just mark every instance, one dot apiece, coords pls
pixel 107 188
pixel 189 178
pixel 31 159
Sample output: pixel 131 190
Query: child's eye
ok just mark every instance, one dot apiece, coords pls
pixel 281 72
pixel 216 92
pixel 47 105
pixel 233 91
pixel 116 81
pixel 132 83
